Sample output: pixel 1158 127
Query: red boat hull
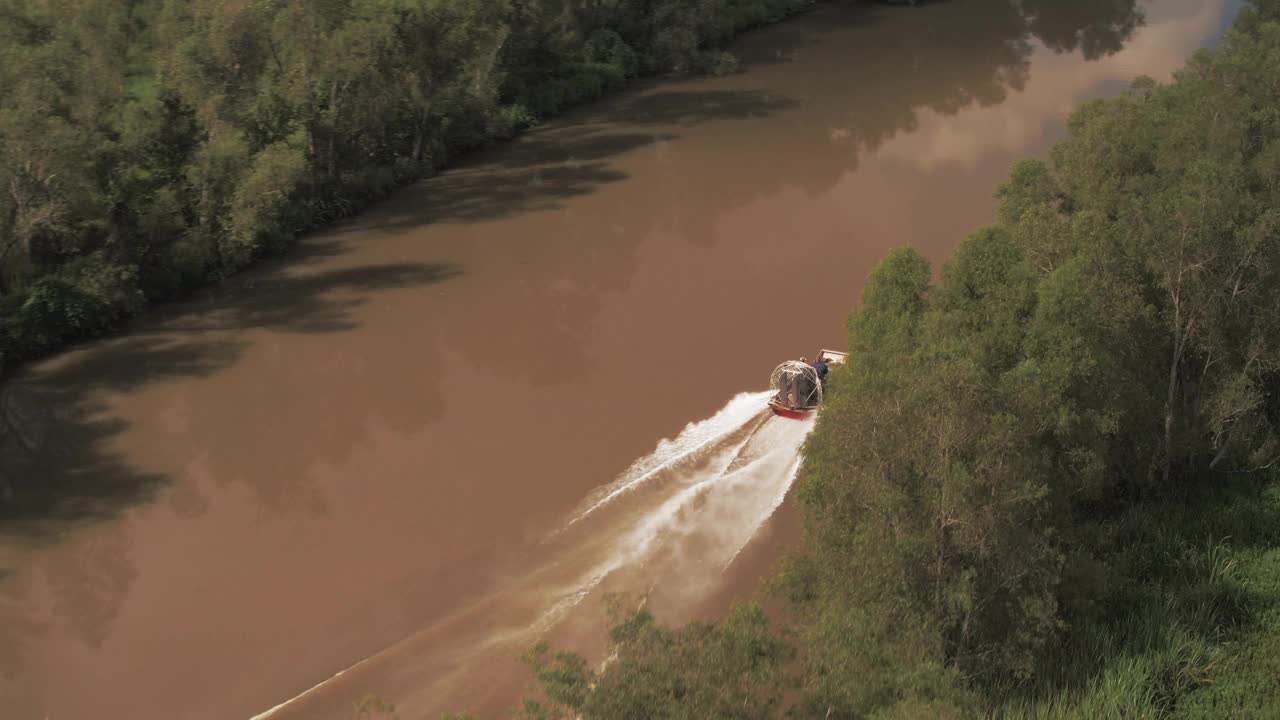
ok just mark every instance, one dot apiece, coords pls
pixel 793 413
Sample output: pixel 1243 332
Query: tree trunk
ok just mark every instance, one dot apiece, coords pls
pixel 937 586
pixel 20 239
pixel 11 223
pixel 332 171
pixel 1168 418
pixel 420 133
pixel 416 155
pixel 1170 405
pixel 333 128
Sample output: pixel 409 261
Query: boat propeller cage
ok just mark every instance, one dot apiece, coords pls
pixel 796 384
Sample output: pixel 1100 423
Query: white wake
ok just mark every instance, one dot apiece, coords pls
pixel 723 478
pixel 674 518
pixel 696 437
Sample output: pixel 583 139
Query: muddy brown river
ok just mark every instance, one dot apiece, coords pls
pixel 426 438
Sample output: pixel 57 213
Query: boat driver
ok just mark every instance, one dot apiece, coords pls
pixel 821 366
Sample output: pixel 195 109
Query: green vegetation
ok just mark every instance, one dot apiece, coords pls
pixel 150 146
pixel 731 669
pixel 1045 487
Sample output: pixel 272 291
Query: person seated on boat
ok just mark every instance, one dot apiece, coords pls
pixel 806 390
pixel 821 366
pixel 788 385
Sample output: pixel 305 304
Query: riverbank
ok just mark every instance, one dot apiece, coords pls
pixel 194 140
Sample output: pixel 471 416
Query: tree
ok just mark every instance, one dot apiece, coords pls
pixel 730 669
pixel 1181 181
pixel 450 51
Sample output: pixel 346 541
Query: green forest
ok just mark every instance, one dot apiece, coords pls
pixel 1046 485
pixel 148 147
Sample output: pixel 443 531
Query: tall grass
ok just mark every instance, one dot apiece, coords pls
pixel 1197 637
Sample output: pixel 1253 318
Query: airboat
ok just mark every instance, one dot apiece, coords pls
pixel 798 388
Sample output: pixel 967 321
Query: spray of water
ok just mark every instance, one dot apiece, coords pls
pixel 723 478
pixel 676 517
pixel 695 438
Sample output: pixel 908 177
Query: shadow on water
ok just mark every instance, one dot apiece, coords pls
pixel 543 176
pixel 1096 28
pixel 55 429
pixel 59 472
pixel 778 44
pixel 56 463
pixel 688 108
pixel 311 303
pixel 548 166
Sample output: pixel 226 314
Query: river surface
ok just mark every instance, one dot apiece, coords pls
pixel 378 451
